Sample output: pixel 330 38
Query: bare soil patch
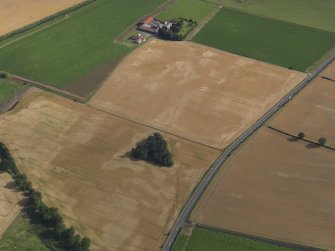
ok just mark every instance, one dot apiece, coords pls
pixel 193 91
pixel 74 155
pixel 9 201
pixel 311 112
pixel 17 13
pixel 329 72
pixel 274 188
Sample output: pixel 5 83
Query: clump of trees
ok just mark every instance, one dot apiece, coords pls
pixel 154 149
pixel 174 32
pixel 49 223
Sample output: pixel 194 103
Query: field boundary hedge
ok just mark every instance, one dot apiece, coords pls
pixel 296 137
pixel 45 19
pixel 49 223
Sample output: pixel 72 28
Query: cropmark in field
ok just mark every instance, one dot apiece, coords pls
pixel 77 157
pixel 79 51
pixel 276 42
pixel 193 91
pixel 274 187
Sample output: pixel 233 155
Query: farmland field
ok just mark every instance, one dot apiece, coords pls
pixel 77 157
pixel 194 9
pixel 267 40
pixel 9 199
pixel 7 89
pixel 329 72
pixel 68 53
pixel 203 239
pixel 17 13
pixel 20 236
pixel 194 91
pixel 311 112
pixel 314 13
pixel 275 188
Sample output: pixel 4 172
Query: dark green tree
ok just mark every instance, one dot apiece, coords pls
pixel 322 141
pixel 154 149
pixel 301 135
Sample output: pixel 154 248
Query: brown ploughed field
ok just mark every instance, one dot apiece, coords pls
pixel 329 72
pixel 18 13
pixel 200 93
pixel 75 155
pixel 311 112
pixel 9 201
pixel 275 188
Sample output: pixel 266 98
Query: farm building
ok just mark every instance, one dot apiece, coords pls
pixel 152 25
pixel 138 38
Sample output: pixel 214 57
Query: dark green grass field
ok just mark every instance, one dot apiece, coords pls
pixel 313 13
pixel 21 236
pixel 76 46
pixel 7 89
pixel 203 239
pixel 272 41
pixel 194 9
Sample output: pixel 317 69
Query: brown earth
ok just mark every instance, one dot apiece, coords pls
pixel 193 91
pixel 18 13
pixel 311 112
pixel 74 155
pixel 274 188
pixel 329 72
pixel 9 201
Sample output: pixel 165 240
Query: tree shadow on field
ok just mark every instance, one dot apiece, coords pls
pixel 312 145
pixel 292 139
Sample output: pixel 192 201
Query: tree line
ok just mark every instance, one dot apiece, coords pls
pixel 49 223
pixel 153 149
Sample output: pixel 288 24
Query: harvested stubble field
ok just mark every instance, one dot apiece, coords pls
pixel 311 112
pixel 275 188
pixel 9 199
pixel 313 13
pixel 193 91
pixel 75 155
pixel 285 44
pixel 329 72
pixel 79 51
pixel 17 13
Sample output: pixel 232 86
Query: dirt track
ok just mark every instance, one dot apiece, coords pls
pixel 276 188
pixel 18 13
pixel 75 156
pixel 311 112
pixel 193 91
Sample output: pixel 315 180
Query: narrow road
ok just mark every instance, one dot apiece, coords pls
pixel 227 152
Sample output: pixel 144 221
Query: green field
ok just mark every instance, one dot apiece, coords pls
pixel 7 89
pixel 189 9
pixel 180 242
pixel 314 13
pixel 77 45
pixel 272 41
pixel 20 236
pixel 203 239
